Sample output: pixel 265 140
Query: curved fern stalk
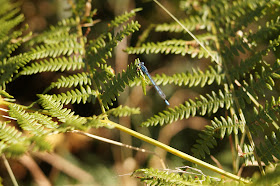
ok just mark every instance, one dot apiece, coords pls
pixel 76 96
pixel 204 105
pixel 117 84
pixel 121 111
pixel 64 115
pixel 78 79
pixel 53 64
pixel 218 128
pixel 12 141
pixel 168 47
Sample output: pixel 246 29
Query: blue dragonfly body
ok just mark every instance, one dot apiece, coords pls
pixel 145 71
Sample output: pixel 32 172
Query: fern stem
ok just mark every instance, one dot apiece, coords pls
pixel 175 151
pixel 8 167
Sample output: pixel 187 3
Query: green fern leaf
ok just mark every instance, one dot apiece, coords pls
pixel 226 126
pixel 26 121
pixel 123 111
pixel 191 23
pixel 71 81
pixel 59 33
pixel 57 49
pixel 10 66
pixel 174 47
pixel 123 18
pixel 76 96
pixel 99 50
pixel 197 77
pixel 270 148
pixel 173 177
pixel 64 115
pixel 190 108
pixel 54 64
pixel 203 145
pixel 117 84
pixel 44 120
pixel 248 154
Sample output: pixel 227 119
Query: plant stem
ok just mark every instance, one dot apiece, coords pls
pixel 175 151
pixel 8 167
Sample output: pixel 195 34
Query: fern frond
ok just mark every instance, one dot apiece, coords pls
pixel 203 145
pixel 204 105
pixel 10 66
pixel 44 120
pixel 59 33
pixel 7 25
pixel 25 120
pixel 53 64
pixel 117 84
pixel 191 23
pixel 195 78
pixel 12 141
pixel 226 125
pixel 174 47
pixel 76 96
pixel 101 77
pixel 156 177
pixel 123 18
pixel 10 134
pixel 64 115
pixel 239 12
pixel 264 32
pixel 71 81
pixel 121 111
pixel 270 148
pixel 99 50
pixel 264 116
pixel 57 49
pixel 248 154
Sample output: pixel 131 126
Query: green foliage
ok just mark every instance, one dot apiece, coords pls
pixel 168 177
pixel 117 84
pixel 243 78
pixel 121 111
pixel 12 142
pixel 62 48
pixel 205 105
pixel 271 178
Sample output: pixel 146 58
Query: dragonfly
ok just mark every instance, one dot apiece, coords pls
pixel 159 91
